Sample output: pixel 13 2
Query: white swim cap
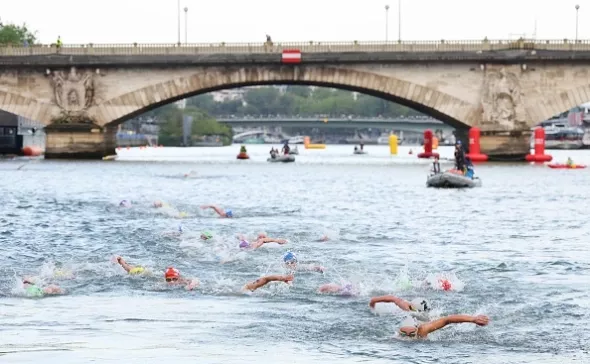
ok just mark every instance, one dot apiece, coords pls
pixel 419 304
pixel 409 322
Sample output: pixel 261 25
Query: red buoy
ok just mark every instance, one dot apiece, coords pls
pixel 539 155
pixel 474 146
pixel 32 151
pixel 427 146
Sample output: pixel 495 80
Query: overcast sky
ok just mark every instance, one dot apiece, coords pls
pixel 156 21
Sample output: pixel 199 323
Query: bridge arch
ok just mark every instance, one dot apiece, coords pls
pixel 446 108
pixel 560 103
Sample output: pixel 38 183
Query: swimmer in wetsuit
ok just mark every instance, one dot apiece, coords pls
pixel 219 211
pixel 33 290
pixel 262 281
pixel 412 329
pixel 419 306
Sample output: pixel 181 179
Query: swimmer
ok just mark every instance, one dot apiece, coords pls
pixel 125 203
pixel 220 212
pixel 291 263
pixel 260 241
pixel 133 270
pixel 324 238
pixel 173 277
pixel 410 327
pixel 342 290
pixel 35 291
pixel 262 281
pixel 417 305
pixel 158 204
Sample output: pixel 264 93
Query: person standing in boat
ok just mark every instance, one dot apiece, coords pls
pixel 436 165
pixel 459 156
pixel 286 148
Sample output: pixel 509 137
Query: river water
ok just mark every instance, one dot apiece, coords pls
pixel 516 249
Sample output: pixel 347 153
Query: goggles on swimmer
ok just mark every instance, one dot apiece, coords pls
pixel 172 279
pixel 409 334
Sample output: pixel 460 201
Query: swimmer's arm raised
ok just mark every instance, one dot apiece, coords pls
pixel 217 209
pixel 427 328
pixel 124 264
pixel 403 304
pixel 267 279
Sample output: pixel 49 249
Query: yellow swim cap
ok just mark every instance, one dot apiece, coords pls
pixel 136 270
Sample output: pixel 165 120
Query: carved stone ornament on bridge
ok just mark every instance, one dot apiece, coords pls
pixel 502 100
pixel 74 93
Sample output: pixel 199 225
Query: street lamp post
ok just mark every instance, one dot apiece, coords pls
pixel 185 25
pixel 386 23
pixel 399 21
pixel 178 22
pixel 577 9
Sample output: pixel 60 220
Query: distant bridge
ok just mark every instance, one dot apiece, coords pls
pixel 405 124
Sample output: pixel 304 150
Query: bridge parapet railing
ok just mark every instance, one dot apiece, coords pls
pixel 304 47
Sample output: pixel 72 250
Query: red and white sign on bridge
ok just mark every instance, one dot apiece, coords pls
pixel 291 56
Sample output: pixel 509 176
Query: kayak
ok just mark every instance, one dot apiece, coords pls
pixel 565 166
pixel 281 158
pixel 360 152
pixel 452 180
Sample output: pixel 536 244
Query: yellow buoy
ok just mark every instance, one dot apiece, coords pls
pixel 393 144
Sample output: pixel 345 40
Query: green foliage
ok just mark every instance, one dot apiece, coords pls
pixel 203 125
pixel 11 34
pixel 302 101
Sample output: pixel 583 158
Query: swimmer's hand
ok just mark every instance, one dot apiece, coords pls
pixel 194 283
pixel 481 320
pixel 319 269
pixel 288 278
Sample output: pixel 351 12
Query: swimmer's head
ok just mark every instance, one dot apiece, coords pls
pixel 158 204
pixel 261 235
pixel 408 328
pixel 206 235
pixel 289 258
pixel 172 274
pixel 244 244
pixel 228 213
pixel 124 203
pixel 419 304
pixel 458 143
pixel 180 228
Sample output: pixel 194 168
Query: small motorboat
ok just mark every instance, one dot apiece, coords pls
pixel 281 159
pixel 566 166
pixel 452 179
pixel 294 151
pixel 360 151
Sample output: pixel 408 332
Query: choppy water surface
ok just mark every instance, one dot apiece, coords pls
pixel 519 245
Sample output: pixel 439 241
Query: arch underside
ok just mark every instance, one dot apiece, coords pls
pixel 560 103
pixel 448 109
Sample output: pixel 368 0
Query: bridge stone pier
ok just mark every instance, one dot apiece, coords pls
pixel 82 92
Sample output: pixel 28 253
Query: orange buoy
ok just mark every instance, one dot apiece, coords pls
pixel 32 151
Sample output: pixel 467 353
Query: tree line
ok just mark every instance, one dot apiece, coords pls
pixel 303 101
pixel 17 35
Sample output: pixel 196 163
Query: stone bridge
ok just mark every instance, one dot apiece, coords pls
pixel 504 87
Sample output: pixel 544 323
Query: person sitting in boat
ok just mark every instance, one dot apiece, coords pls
pixel 286 148
pixel 569 162
pixel 459 157
pixel 243 149
pixel 356 148
pixel 273 153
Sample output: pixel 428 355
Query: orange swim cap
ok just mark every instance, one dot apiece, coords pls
pixel 172 273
